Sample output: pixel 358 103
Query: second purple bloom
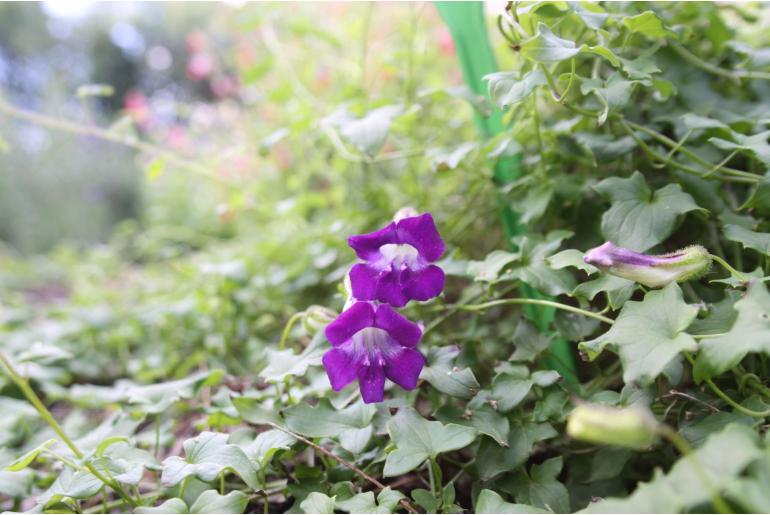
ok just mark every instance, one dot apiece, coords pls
pixel 398 262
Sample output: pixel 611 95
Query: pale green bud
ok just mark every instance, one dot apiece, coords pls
pixel 634 428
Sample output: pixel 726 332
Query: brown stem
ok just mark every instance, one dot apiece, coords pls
pixel 345 463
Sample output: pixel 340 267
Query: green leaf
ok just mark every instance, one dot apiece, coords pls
pixel 759 241
pixel 529 342
pixel 255 411
pixel 618 290
pixel 444 159
pixel 149 399
pixel 482 418
pixel 642 68
pixel 351 425
pixel 426 500
pixel 638 217
pixel 682 489
pixel 541 488
pixel 26 459
pixel 127 463
pixel 492 461
pixel 510 387
pixel 528 264
pixel 507 88
pixel 155 169
pixel 211 501
pixel 760 196
pixel 649 24
pixel 387 502
pixel 173 505
pixel 546 47
pixel 284 363
pixel 755 145
pixel 749 333
pixel 368 134
pixel 445 377
pixel 604 147
pixel 207 456
pixel 649 334
pixel 570 257
pixel 614 93
pixel 266 444
pixel 75 485
pixel 593 15
pixel 417 440
pixel 491 502
pixel 695 122
pixel 316 502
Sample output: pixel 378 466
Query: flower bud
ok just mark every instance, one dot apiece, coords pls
pixel 634 428
pixel 317 317
pixel 652 271
pixel 405 212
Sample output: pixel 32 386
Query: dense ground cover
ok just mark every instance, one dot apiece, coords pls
pixel 178 366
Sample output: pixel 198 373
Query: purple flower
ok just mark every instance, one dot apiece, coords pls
pixel 653 271
pixel 371 343
pixel 398 259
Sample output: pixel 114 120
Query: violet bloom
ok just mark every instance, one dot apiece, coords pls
pixel 371 343
pixel 653 271
pixel 398 260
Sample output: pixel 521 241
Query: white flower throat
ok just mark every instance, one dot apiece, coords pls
pixel 400 255
pixel 372 345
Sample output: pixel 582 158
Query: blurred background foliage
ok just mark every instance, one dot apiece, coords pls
pixel 235 216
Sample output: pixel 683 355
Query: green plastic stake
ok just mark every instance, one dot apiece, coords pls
pixel 466 23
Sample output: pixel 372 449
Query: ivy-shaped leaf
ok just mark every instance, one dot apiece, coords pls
pixel 207 456
pixel 418 439
pixel 723 456
pixel 649 334
pixel 638 217
pixel 508 88
pixel 546 47
pixel 492 461
pixel 351 425
pixel 614 93
pixel 541 488
pixel 755 145
pixel 749 333
pixel 759 241
pixel 490 501
pixel 649 24
pixel 445 377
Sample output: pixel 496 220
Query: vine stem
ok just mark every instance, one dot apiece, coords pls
pixel 538 302
pixel 685 450
pixel 342 461
pixel 716 70
pixel 23 385
pixel 735 273
pixel 722 395
pixel 287 329
pixel 105 135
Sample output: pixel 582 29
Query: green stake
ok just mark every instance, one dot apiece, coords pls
pixel 465 21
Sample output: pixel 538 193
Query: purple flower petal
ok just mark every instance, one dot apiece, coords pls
pixel 363 281
pixel 371 381
pixel 349 322
pixel 404 369
pixel 425 284
pixel 401 329
pixel 420 232
pixel 390 289
pixel 340 368
pixel 367 246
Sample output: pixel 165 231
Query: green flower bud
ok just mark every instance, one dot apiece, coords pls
pixel 652 271
pixel 633 428
pixel 316 318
